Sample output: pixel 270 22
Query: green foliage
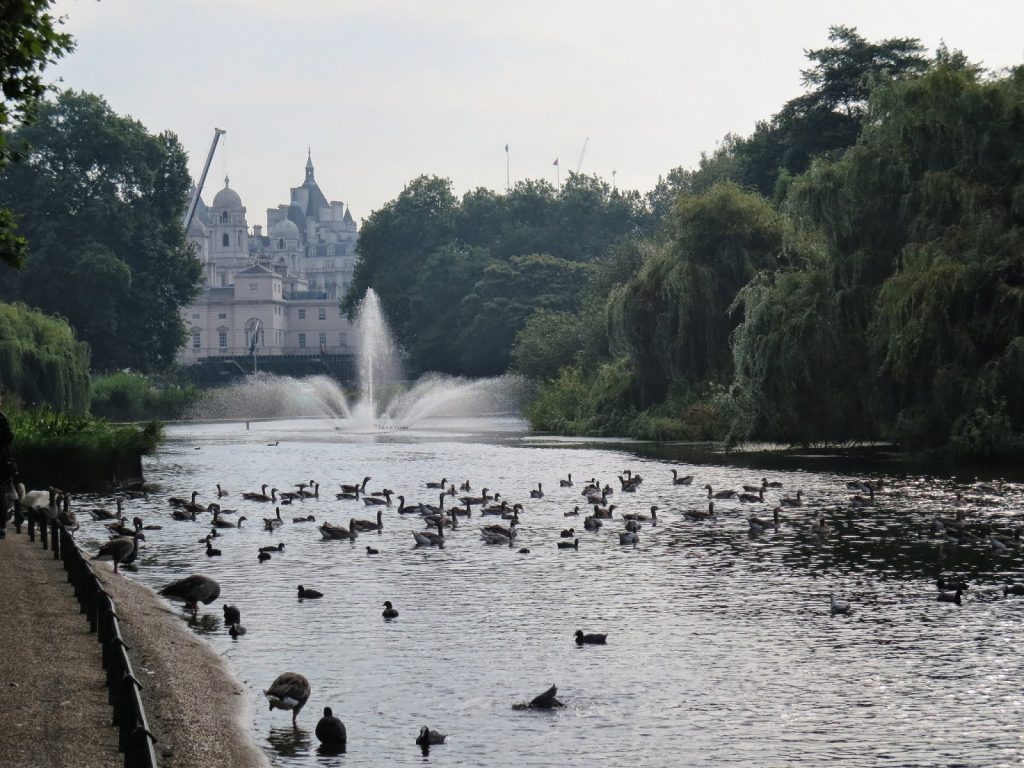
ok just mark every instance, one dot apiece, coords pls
pixel 99 200
pixel 41 361
pixel 134 397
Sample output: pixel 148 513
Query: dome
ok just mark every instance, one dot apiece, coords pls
pixel 285 228
pixel 226 198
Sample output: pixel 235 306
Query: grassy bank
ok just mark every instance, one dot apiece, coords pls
pixel 134 397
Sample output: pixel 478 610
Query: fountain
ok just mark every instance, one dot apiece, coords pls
pixel 383 401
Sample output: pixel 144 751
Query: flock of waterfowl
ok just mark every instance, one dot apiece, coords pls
pixel 449 519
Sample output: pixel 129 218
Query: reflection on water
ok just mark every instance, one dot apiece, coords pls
pixel 722 650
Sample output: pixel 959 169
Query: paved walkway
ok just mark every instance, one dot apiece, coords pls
pixel 53 695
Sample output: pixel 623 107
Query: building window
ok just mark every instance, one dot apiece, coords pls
pixel 280 244
pixel 322 314
pixel 223 215
pixel 342 341
pixel 302 341
pixel 196 340
pixel 222 338
pixel 252 287
pixel 323 341
pixel 223 279
pixel 195 316
pixel 222 316
pixel 225 240
pixel 302 314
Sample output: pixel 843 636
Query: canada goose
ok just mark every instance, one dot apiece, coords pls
pixel 566 483
pixel 820 528
pixel 720 494
pixel 864 501
pixel 483 498
pixel 627 485
pixel 566 545
pixel 106 514
pixel 389 612
pixel 221 493
pixel 757 525
pixel 428 737
pixel 442 484
pixel 514 514
pixel 309 594
pixel 279 547
pixel 122 529
pixel 314 494
pixel 182 514
pixel 330 731
pixel 123 549
pixel 495 509
pixel 574 513
pixel 701 514
pixel 372 551
pixel 354 495
pixel 949 597
pixel 231 614
pixel 429 538
pixel 261 496
pixel 289 691
pixel 604 514
pixel 210 551
pixel 465 486
pixel 546 700
pixel 951 584
pixel 859 486
pixel 361 488
pixel 306 519
pixel 236 630
pixel 539 493
pixel 193 590
pixel 270 523
pixel 598 499
pixel 287 497
pixel 217 522
pixel 194 506
pixel 677 480
pixel 369 525
pixel 329 532
pixel 495 537
pixel 629 537
pixel 751 498
pixel 642 518
pixel 1013 589
pixel 793 502
pixel 66 516
pixel 509 532
pixel 837 606
pixel 374 500
pixel 582 639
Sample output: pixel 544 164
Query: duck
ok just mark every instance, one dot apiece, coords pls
pixel 677 480
pixel 334 532
pixel 429 538
pixel 568 533
pixel 231 614
pixel 720 494
pixel 122 550
pixel 629 537
pixel 567 483
pixel 429 738
pixel 820 528
pixel 279 547
pixel 442 484
pixel 350 488
pixel 289 690
pixel 309 594
pixel 949 597
pixel 389 611
pixel 372 551
pixel 588 639
pixel 798 501
pixel 193 590
pixel 701 514
pixel 210 551
pixel 369 525
pixel 106 514
pixel 330 731
pixel 838 606
pixel 566 545
pixel 263 556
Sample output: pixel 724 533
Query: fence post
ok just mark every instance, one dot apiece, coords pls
pixel 43 533
pixel 55 528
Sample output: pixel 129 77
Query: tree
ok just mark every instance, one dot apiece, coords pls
pixel 29 42
pixel 100 201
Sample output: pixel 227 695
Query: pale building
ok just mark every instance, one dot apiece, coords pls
pixel 280 290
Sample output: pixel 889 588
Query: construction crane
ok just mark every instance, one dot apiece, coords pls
pixel 582 153
pixel 217 133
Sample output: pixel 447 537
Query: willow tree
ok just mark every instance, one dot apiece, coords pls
pixel 672 318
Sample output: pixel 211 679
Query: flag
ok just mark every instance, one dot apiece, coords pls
pixel 506 147
pixel 556 161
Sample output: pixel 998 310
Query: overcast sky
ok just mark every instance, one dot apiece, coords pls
pixel 385 90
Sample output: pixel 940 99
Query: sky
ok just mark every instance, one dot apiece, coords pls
pixel 385 90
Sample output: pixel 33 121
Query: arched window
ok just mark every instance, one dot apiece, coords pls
pixel 225 240
pixel 280 243
pixel 224 216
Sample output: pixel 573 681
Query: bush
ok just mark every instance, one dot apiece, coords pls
pixel 134 397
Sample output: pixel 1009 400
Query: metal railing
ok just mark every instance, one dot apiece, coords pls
pixel 135 739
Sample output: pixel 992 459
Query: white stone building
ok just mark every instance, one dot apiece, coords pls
pixel 284 287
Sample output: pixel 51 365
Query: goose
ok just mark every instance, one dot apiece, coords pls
pixel 253 496
pixel 465 486
pixel 588 639
pixel 66 516
pixel 566 483
pixel 757 525
pixel 287 497
pixel 793 502
pixel 568 533
pixel 546 700
pixel 837 606
pixel 495 509
pixel 863 501
pixel 106 514
pixel 361 487
pixel 591 523
pixel 494 537
pixel 514 514
pixel 1011 542
pixel 330 731
pixel 348 496
pixel 951 584
pixel 217 522
pixel 483 498
pixel 329 532
pixel 539 493
pixel 122 550
pixel 306 519
pixel 451 490
pixel 221 493
pixel 1013 589
pixel 236 630
pixel 270 523
pixel 289 691
pixel 604 514
pixel 756 488
pixel 274 444
pixel 629 537
pixel 720 494
pixel 566 545
pixel 442 484
pixel 677 480
pixel 820 528
pixel 372 551
pixel 858 485
pixel 181 514
pixel 701 514
pixel 193 590
pixel 998 547
pixel 314 494
pixel 121 527
pixel 509 532
pixel 429 538
pixel 949 597
pixel 467 512
pixel 231 614
pixel 374 500
pixel 633 525
pixel 772 484
pixel 429 738
pixel 575 513
pixel 369 525
pixel 389 612
pixel 631 477
pixel 944 523
pixel 279 547
pixel 210 551
pixel 751 498
pixel 642 518
pixel 194 506
pixel 309 594
pixel 600 500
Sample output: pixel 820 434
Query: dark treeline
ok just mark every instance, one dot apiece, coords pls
pixel 852 270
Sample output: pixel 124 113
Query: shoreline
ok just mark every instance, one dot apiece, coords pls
pixel 198 709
